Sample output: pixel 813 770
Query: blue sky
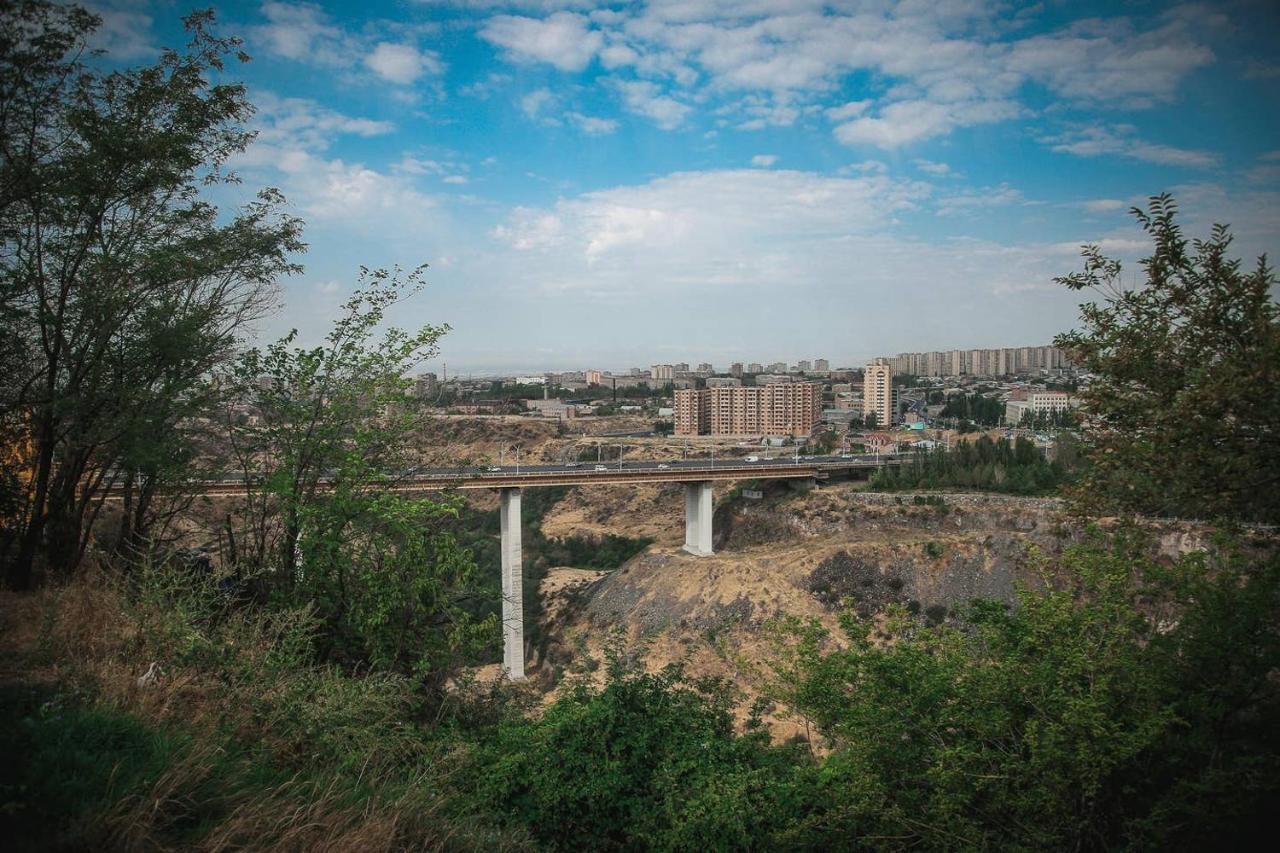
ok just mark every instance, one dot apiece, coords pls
pixel 608 185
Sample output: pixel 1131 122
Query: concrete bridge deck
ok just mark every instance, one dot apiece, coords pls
pixel 697 475
pixel 604 473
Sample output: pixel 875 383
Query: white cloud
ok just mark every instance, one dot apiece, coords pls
pixel 851 109
pixel 532 104
pixel 563 39
pixel 764 161
pixel 530 229
pixel 646 99
pixel 905 122
pixel 401 63
pixel 303 32
pixel 932 168
pixel 1103 205
pixel 1107 61
pixel 124 34
pixel 970 200
pixel 865 166
pixel 591 125
pixel 455 179
pixel 706 218
pixel 947 65
pixel 1122 140
pixel 284 124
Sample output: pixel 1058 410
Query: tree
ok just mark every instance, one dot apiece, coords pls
pixel 1183 412
pixel 121 287
pixel 319 434
pixel 1123 703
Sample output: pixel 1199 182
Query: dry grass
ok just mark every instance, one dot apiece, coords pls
pixel 255 755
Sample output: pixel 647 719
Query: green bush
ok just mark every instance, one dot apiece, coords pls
pixel 1126 704
pixel 649 761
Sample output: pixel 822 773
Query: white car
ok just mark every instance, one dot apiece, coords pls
pixel 571 464
pixel 601 468
pixel 752 459
pixel 662 466
pixel 494 469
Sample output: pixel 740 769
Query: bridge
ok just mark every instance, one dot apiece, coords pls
pixel 697 475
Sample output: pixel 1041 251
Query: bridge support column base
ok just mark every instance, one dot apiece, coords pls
pixel 697 518
pixel 512 585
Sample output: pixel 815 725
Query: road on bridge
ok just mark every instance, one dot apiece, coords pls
pixel 599 473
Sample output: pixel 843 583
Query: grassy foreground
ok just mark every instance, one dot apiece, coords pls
pixel 1127 703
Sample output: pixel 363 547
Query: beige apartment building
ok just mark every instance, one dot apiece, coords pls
pixel 791 409
pixel 877 392
pixel 984 362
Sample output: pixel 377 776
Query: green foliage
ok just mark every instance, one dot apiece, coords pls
pixel 822 442
pixel 275 752
pixel 983 410
pixel 67 761
pixel 999 466
pixel 1184 405
pixel 649 761
pixel 1101 710
pixel 121 286
pixel 478 533
pixel 384 573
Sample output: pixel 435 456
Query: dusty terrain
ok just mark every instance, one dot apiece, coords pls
pixel 807 555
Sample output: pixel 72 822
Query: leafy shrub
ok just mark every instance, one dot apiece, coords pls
pixel 648 761
pixel 1087 716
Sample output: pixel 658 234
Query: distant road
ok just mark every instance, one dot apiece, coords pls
pixel 593 473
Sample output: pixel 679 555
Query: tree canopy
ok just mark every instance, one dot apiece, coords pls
pixel 1183 405
pixel 121 285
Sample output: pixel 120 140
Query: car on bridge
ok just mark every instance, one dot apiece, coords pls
pixel 601 468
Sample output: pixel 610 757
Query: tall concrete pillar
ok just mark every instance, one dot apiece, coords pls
pixel 697 518
pixel 512 586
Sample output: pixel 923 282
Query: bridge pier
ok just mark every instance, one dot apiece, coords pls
pixel 512 585
pixel 697 518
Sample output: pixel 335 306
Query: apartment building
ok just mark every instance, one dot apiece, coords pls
pixel 1041 402
pixel 791 409
pixel 1037 403
pixel 877 392
pixel 980 362
pixel 662 371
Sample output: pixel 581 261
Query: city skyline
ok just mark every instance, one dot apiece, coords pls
pixel 717 177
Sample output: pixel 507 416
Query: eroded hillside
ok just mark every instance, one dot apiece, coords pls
pixel 806 555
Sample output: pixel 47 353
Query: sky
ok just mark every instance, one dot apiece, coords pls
pixel 620 184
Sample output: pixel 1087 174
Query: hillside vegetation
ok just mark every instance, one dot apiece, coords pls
pixel 957 672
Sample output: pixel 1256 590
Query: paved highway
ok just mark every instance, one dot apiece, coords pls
pixel 682 465
pixel 586 473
